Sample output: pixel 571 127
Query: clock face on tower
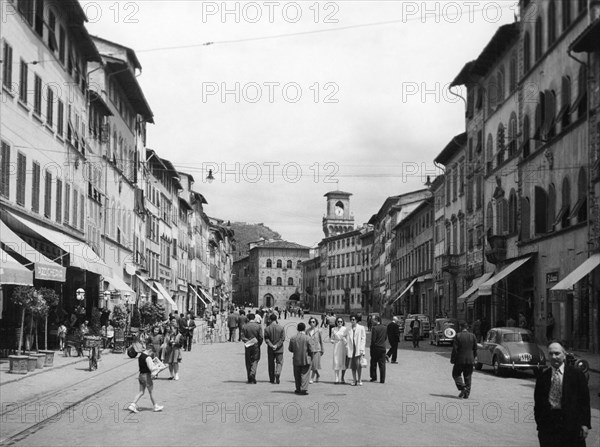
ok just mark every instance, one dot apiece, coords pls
pixel 339 211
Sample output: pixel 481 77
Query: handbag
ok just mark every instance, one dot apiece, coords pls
pixel 363 362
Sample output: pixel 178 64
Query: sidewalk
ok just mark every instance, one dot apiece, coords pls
pixel 60 361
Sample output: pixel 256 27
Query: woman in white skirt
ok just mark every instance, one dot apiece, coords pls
pixel 338 338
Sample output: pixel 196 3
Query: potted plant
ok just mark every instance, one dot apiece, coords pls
pixel 119 321
pixel 151 314
pixel 51 299
pixel 22 296
pixel 136 320
pixel 39 310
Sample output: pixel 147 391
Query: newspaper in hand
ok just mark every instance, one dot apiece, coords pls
pixel 251 342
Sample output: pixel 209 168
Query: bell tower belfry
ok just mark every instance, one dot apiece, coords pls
pixel 338 218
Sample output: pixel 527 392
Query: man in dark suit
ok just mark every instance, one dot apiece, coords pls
pixel 232 324
pixel 300 347
pixel 242 320
pixel 253 338
pixel 561 402
pixel 377 349
pixel 415 329
pixel 464 351
pixel 189 325
pixel 393 335
pixel 274 338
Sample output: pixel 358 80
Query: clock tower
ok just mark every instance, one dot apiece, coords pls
pixel 338 219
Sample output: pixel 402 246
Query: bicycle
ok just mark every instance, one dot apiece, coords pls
pixel 93 344
pixel 209 335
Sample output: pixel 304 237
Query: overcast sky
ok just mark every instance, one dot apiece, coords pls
pixel 291 97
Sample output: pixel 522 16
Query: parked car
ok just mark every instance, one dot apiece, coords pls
pixel 425 326
pixel 438 335
pixel 510 348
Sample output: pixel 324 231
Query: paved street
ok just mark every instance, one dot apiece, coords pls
pixel 212 405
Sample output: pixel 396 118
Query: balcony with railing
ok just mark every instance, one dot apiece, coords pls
pixel 496 252
pixel 450 263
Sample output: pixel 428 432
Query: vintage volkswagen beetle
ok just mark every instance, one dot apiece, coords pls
pixel 510 348
pixel 438 336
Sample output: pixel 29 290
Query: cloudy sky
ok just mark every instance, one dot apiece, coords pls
pixel 294 99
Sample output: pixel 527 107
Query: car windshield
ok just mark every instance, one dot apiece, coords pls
pixel 517 336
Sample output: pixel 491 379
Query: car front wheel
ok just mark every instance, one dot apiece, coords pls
pixel 496 366
pixel 478 366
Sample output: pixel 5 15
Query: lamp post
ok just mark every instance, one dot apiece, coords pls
pixel 80 294
pixel 107 295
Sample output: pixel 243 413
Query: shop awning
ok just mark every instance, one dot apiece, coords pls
pixel 44 268
pixel 486 287
pixel 81 254
pixel 11 272
pixel 206 295
pixel 119 285
pixel 425 278
pixel 474 287
pixel 577 275
pixel 198 295
pixel 405 290
pixel 151 287
pixel 163 292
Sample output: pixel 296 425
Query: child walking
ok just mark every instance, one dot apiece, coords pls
pixel 147 368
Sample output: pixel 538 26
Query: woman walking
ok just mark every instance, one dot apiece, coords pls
pixel 356 340
pixel 156 339
pixel 338 338
pixel 172 354
pixel 316 342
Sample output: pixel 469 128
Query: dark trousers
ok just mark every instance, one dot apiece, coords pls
pixel 252 358
pixel 187 342
pixel 393 351
pixel 378 359
pixel 462 377
pixel 239 333
pixel 553 433
pixel 415 336
pixel 275 361
pixel 232 333
pixel 301 377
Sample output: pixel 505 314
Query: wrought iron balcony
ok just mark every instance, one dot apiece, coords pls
pixel 496 252
pixel 450 263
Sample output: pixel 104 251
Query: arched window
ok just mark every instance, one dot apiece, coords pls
pixel 525 219
pixel 551 206
pixel 512 135
pixel 539 119
pixel 289 264
pixel 527 52
pixel 550 114
pixel 279 263
pixel 269 263
pixel 526 136
pixel 290 281
pixel 539 36
pixel 580 209
pixel 512 75
pixel 566 14
pixel 279 282
pixel 490 153
pixel 564 116
pixel 541 210
pixel 492 95
pixel 565 209
pixel 489 218
pixel 581 101
pixel 551 23
pixel 581 6
pixel 500 145
pixel 500 79
pixel 512 212
pixel 269 280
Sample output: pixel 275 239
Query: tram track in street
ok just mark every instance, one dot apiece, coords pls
pixel 73 395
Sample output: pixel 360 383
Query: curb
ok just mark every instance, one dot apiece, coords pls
pixel 41 371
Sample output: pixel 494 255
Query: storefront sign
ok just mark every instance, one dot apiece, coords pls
pixel 49 272
pixel 551 277
pixel 164 273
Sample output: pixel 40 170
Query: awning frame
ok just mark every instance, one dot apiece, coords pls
pixel 405 290
pixel 163 292
pixel 474 287
pixel 485 289
pixel 198 295
pixel 584 269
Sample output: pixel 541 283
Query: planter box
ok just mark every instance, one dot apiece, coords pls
pixel 18 364
pixel 31 362
pixel 49 361
pixel 40 360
